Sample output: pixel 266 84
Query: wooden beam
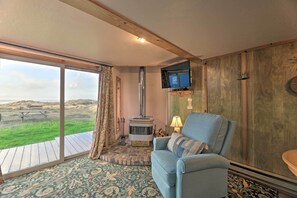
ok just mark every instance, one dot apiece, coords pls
pixel 205 86
pixel 244 108
pixel 104 13
pixel 253 49
pixel 43 56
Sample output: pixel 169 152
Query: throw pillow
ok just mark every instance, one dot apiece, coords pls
pixel 172 139
pixel 183 146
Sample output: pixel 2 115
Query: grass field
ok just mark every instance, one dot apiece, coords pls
pixel 33 132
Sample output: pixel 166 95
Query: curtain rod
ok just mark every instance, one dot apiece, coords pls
pixel 53 53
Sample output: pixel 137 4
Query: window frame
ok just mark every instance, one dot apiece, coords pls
pixel 62 67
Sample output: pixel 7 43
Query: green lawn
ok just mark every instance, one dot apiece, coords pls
pixel 32 132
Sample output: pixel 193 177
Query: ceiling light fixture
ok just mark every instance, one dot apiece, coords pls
pixel 142 40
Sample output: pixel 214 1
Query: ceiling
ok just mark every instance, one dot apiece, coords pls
pixel 55 26
pixel 203 28
pixel 209 28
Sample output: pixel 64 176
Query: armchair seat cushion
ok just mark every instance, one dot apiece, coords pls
pixel 164 162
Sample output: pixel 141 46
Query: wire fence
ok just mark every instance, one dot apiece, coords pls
pixel 13 114
pixel 14 117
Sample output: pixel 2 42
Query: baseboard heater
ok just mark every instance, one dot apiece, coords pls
pixel 284 185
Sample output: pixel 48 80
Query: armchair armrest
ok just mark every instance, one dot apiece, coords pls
pixel 201 162
pixel 160 143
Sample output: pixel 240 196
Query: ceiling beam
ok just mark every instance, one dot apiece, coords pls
pixel 25 52
pixel 104 13
pixel 274 44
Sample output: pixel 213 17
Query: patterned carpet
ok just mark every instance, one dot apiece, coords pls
pixel 127 155
pixel 83 177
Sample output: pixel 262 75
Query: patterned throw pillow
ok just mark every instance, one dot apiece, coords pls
pixel 183 146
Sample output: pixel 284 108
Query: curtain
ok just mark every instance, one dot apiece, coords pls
pixel 1 176
pixel 104 132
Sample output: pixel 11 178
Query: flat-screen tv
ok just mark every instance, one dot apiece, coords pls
pixel 176 76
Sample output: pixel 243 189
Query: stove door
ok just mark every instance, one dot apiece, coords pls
pixel 141 130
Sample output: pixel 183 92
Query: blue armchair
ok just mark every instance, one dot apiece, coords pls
pixel 201 175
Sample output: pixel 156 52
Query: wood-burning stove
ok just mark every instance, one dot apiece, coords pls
pixel 141 131
pixel 141 128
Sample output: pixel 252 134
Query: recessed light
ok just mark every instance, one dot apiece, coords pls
pixel 142 40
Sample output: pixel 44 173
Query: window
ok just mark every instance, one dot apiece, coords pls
pixel 30 113
pixel 30 118
pixel 81 93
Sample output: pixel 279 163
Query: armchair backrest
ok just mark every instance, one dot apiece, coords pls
pixel 215 130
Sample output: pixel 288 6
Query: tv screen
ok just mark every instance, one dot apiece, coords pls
pixel 176 76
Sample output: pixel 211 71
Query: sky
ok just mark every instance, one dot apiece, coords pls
pixel 28 81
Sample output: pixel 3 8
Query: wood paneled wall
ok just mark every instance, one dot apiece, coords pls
pixel 224 96
pixel 272 111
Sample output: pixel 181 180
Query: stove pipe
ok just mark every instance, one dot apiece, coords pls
pixel 141 87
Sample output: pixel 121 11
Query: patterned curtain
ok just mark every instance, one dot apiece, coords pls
pixel 1 177
pixel 104 132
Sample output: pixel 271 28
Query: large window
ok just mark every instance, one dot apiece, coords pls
pixel 31 113
pixel 81 92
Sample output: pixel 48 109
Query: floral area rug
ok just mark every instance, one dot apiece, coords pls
pixel 241 187
pixel 127 155
pixel 87 178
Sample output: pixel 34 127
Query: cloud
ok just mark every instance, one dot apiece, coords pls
pixel 21 81
pixel 72 85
